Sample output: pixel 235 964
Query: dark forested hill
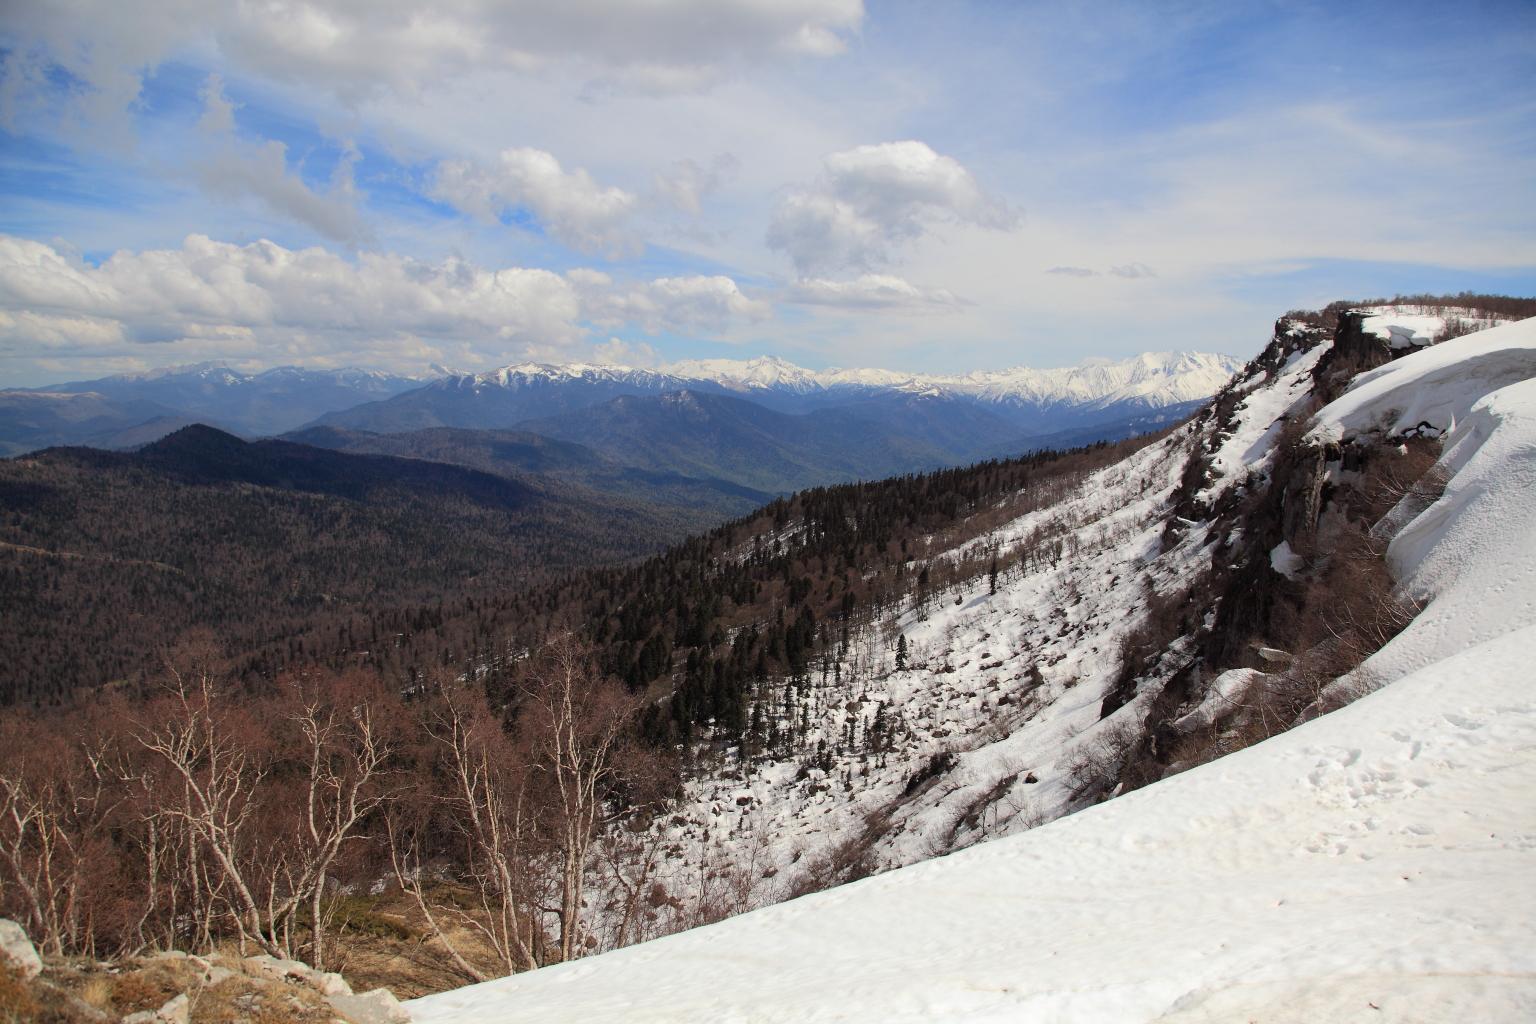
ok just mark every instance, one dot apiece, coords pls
pixel 696 503
pixel 108 557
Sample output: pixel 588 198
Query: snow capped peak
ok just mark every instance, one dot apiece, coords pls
pixel 522 374
pixel 1157 378
pixel 204 369
pixel 756 373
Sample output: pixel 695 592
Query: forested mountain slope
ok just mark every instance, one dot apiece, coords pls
pixel 697 503
pixel 108 558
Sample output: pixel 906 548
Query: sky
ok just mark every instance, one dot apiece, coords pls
pixel 916 186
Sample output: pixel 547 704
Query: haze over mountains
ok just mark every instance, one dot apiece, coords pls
pixel 1031 401
pixel 752 427
pixel 131 409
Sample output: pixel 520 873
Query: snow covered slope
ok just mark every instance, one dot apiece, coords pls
pixel 1375 864
pixel 1377 857
pixel 1457 555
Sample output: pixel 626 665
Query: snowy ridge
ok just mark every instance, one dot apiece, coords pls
pixel 1155 378
pixel 522 374
pixel 1401 828
pixel 1409 326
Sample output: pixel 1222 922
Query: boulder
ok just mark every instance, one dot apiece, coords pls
pixel 18 949
pixel 177 1011
pixel 377 1007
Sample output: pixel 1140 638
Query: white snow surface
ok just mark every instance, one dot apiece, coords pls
pixel 1374 864
pixel 1433 387
pixel 1412 326
pixel 1472 554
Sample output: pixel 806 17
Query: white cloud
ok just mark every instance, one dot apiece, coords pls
pixel 681 42
pixel 262 304
pixel 212 298
pixel 618 352
pixel 871 199
pixel 352 50
pixel 707 303
pixel 1126 270
pixel 25 330
pixel 685 184
pixel 218 112
pixel 233 169
pixel 874 292
pixel 570 205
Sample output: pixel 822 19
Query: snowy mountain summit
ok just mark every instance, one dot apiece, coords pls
pixel 1068 406
pixel 1155 378
pixel 1332 572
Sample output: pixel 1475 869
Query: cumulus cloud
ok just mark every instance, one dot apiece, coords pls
pixel 874 292
pixel 24 330
pixel 569 204
pixel 262 303
pixel 871 199
pixel 618 352
pixel 708 303
pixel 1074 271
pixel 212 297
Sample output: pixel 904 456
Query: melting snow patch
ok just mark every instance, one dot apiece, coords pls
pixel 1285 561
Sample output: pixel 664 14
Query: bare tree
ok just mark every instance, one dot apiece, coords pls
pixel 576 724
pixel 218 787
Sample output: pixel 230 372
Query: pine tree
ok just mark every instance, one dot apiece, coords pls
pixel 901 652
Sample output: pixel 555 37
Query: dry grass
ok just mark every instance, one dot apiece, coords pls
pixel 17 1002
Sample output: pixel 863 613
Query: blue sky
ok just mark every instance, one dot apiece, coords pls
pixel 910 185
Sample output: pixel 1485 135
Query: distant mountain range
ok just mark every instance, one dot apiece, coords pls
pixel 131 409
pixel 1029 401
pixel 708 434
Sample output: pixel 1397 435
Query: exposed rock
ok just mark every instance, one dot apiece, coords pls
pixel 377 1007
pixel 19 949
pixel 280 968
pixel 176 1011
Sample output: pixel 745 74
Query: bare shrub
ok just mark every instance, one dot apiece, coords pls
pixel 1093 767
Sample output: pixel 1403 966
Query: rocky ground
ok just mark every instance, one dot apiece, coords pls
pixel 178 988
